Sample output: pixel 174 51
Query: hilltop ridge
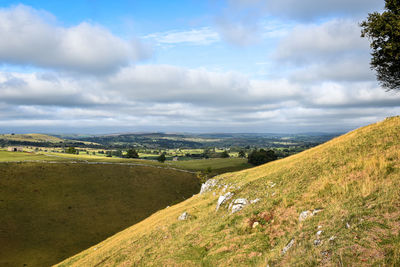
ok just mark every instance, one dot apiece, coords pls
pixel 337 204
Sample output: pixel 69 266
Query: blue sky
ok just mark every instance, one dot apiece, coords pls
pixel 194 66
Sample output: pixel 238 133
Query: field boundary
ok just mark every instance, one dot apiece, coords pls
pixel 98 163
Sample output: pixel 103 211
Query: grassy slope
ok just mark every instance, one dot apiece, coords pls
pixel 52 211
pixel 353 178
pixel 31 138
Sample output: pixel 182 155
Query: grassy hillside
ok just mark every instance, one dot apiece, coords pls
pixel 50 211
pixel 31 138
pixel 353 181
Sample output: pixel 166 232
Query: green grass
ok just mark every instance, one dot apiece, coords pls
pixel 354 179
pixel 217 165
pixel 24 156
pixel 52 211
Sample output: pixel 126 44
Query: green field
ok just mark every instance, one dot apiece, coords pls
pixel 25 156
pixel 216 165
pixel 352 181
pixel 50 211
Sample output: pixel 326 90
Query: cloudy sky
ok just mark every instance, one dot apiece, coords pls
pixel 98 66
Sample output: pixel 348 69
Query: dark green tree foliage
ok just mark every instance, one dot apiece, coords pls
pixel 242 154
pixel 258 157
pixel 161 158
pixel 383 30
pixel 71 150
pixel 132 154
pixel 225 154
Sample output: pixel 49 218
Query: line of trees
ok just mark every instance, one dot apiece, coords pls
pixel 258 157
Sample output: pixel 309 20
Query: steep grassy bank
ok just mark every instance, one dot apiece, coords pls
pixel 353 181
pixel 52 211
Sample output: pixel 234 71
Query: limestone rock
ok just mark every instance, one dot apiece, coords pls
pixel 239 204
pixel 207 186
pixel 223 199
pixel 183 216
pixel 254 200
pixel 307 214
pixel 288 246
pixel 304 215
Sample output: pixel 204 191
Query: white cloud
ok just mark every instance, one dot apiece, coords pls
pixel 312 9
pixel 30 38
pixel 174 98
pixel 310 42
pixel 348 69
pixel 332 51
pixel 200 36
pixel 238 33
pixel 308 9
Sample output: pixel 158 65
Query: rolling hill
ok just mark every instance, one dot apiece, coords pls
pixel 31 138
pixel 337 204
pixel 35 139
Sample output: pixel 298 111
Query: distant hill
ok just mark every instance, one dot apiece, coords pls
pixel 337 204
pixel 31 138
pixel 35 139
pixel 164 140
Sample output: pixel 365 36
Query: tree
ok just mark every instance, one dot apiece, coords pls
pixel 117 153
pixel 71 150
pixel 225 154
pixel 260 157
pixel 161 158
pixel 383 30
pixel 132 154
pixel 242 154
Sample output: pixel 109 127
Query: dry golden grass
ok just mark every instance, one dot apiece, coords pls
pixel 354 179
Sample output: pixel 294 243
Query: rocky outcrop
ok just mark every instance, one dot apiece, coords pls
pixel 207 186
pixel 238 204
pixel 223 199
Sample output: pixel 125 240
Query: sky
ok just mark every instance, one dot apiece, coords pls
pixel 250 66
